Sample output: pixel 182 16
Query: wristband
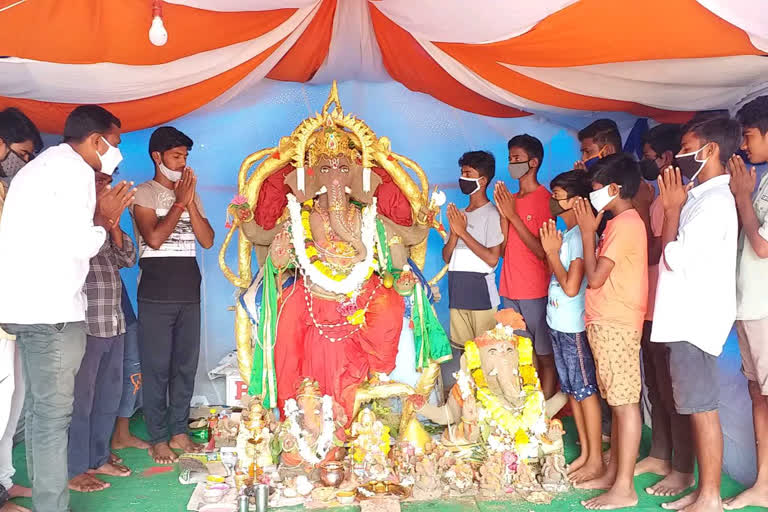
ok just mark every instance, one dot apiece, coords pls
pixel 178 205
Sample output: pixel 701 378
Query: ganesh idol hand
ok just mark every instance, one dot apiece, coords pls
pixel 417 401
pixel 585 216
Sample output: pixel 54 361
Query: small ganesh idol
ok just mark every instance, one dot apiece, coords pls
pixel 369 447
pixel 312 431
pixel 254 440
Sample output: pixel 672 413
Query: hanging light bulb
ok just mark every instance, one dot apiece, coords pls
pixel 157 33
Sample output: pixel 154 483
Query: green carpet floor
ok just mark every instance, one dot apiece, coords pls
pixel 163 493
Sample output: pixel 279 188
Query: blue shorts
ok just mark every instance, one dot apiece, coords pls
pixel 575 364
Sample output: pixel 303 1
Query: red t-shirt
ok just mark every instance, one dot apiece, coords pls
pixel 523 275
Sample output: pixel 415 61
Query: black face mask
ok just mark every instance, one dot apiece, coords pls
pixel 555 208
pixel 649 169
pixel 469 185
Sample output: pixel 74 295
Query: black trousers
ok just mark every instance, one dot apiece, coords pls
pixel 169 349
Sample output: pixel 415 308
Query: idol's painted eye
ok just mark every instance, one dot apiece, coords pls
pixel 325 169
pixel 344 168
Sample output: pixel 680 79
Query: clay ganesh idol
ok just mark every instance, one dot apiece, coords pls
pixel 312 431
pixel 338 228
pixel 497 397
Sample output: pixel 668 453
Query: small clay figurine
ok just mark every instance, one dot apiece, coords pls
pixel 492 477
pixel 552 441
pixel 554 477
pixel 427 484
pixel 460 478
pixel 524 480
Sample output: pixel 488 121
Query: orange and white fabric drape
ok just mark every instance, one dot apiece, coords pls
pixel 657 58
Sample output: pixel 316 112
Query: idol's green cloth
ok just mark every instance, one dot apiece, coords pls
pixel 263 380
pixel 431 342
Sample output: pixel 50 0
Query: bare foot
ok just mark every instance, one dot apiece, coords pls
pixel 577 463
pixel 12 507
pixel 18 491
pixel 695 503
pixel 673 484
pixel 111 469
pixel 653 465
pixel 114 458
pixel 756 496
pixel 130 441
pixel 589 471
pixel 87 483
pixel 162 454
pixel 682 502
pixel 603 482
pixel 613 499
pixel 185 444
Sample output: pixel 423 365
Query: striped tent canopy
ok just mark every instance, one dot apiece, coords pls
pixel 656 58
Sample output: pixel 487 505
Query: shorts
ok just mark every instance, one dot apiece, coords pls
pixel 617 360
pixel 574 363
pixel 534 312
pixel 753 342
pixel 468 324
pixel 695 378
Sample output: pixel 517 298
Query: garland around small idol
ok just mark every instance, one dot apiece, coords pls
pixel 521 426
pixel 324 440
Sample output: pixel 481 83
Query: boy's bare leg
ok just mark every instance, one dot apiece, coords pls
pixel 581 428
pixel 757 495
pixel 122 438
pixel 607 477
pixel 593 467
pixel 708 438
pixel 626 438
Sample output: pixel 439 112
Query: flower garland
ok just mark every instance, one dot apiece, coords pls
pixel 513 423
pixel 315 271
pixel 324 440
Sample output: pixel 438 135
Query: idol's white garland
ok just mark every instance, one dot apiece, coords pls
pixel 324 441
pixel 359 272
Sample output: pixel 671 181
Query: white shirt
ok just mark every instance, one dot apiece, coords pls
pixel 752 270
pixel 696 299
pixel 47 238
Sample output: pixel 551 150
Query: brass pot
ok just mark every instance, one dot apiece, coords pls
pixel 332 474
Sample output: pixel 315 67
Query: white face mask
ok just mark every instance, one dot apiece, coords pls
pixel 601 197
pixel 111 159
pixel 173 176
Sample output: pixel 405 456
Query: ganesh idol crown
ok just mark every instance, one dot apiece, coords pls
pixel 338 227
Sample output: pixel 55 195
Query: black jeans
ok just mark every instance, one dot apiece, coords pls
pixel 169 348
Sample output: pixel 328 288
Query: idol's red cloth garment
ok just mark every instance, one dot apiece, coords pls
pixel 341 366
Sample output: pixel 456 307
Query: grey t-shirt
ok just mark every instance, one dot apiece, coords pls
pixel 471 281
pixel 170 273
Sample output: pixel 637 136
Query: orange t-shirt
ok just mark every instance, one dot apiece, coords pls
pixel 523 275
pixel 657 224
pixel 623 298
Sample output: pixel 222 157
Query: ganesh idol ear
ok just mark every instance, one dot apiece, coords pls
pixel 363 185
pixel 303 183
